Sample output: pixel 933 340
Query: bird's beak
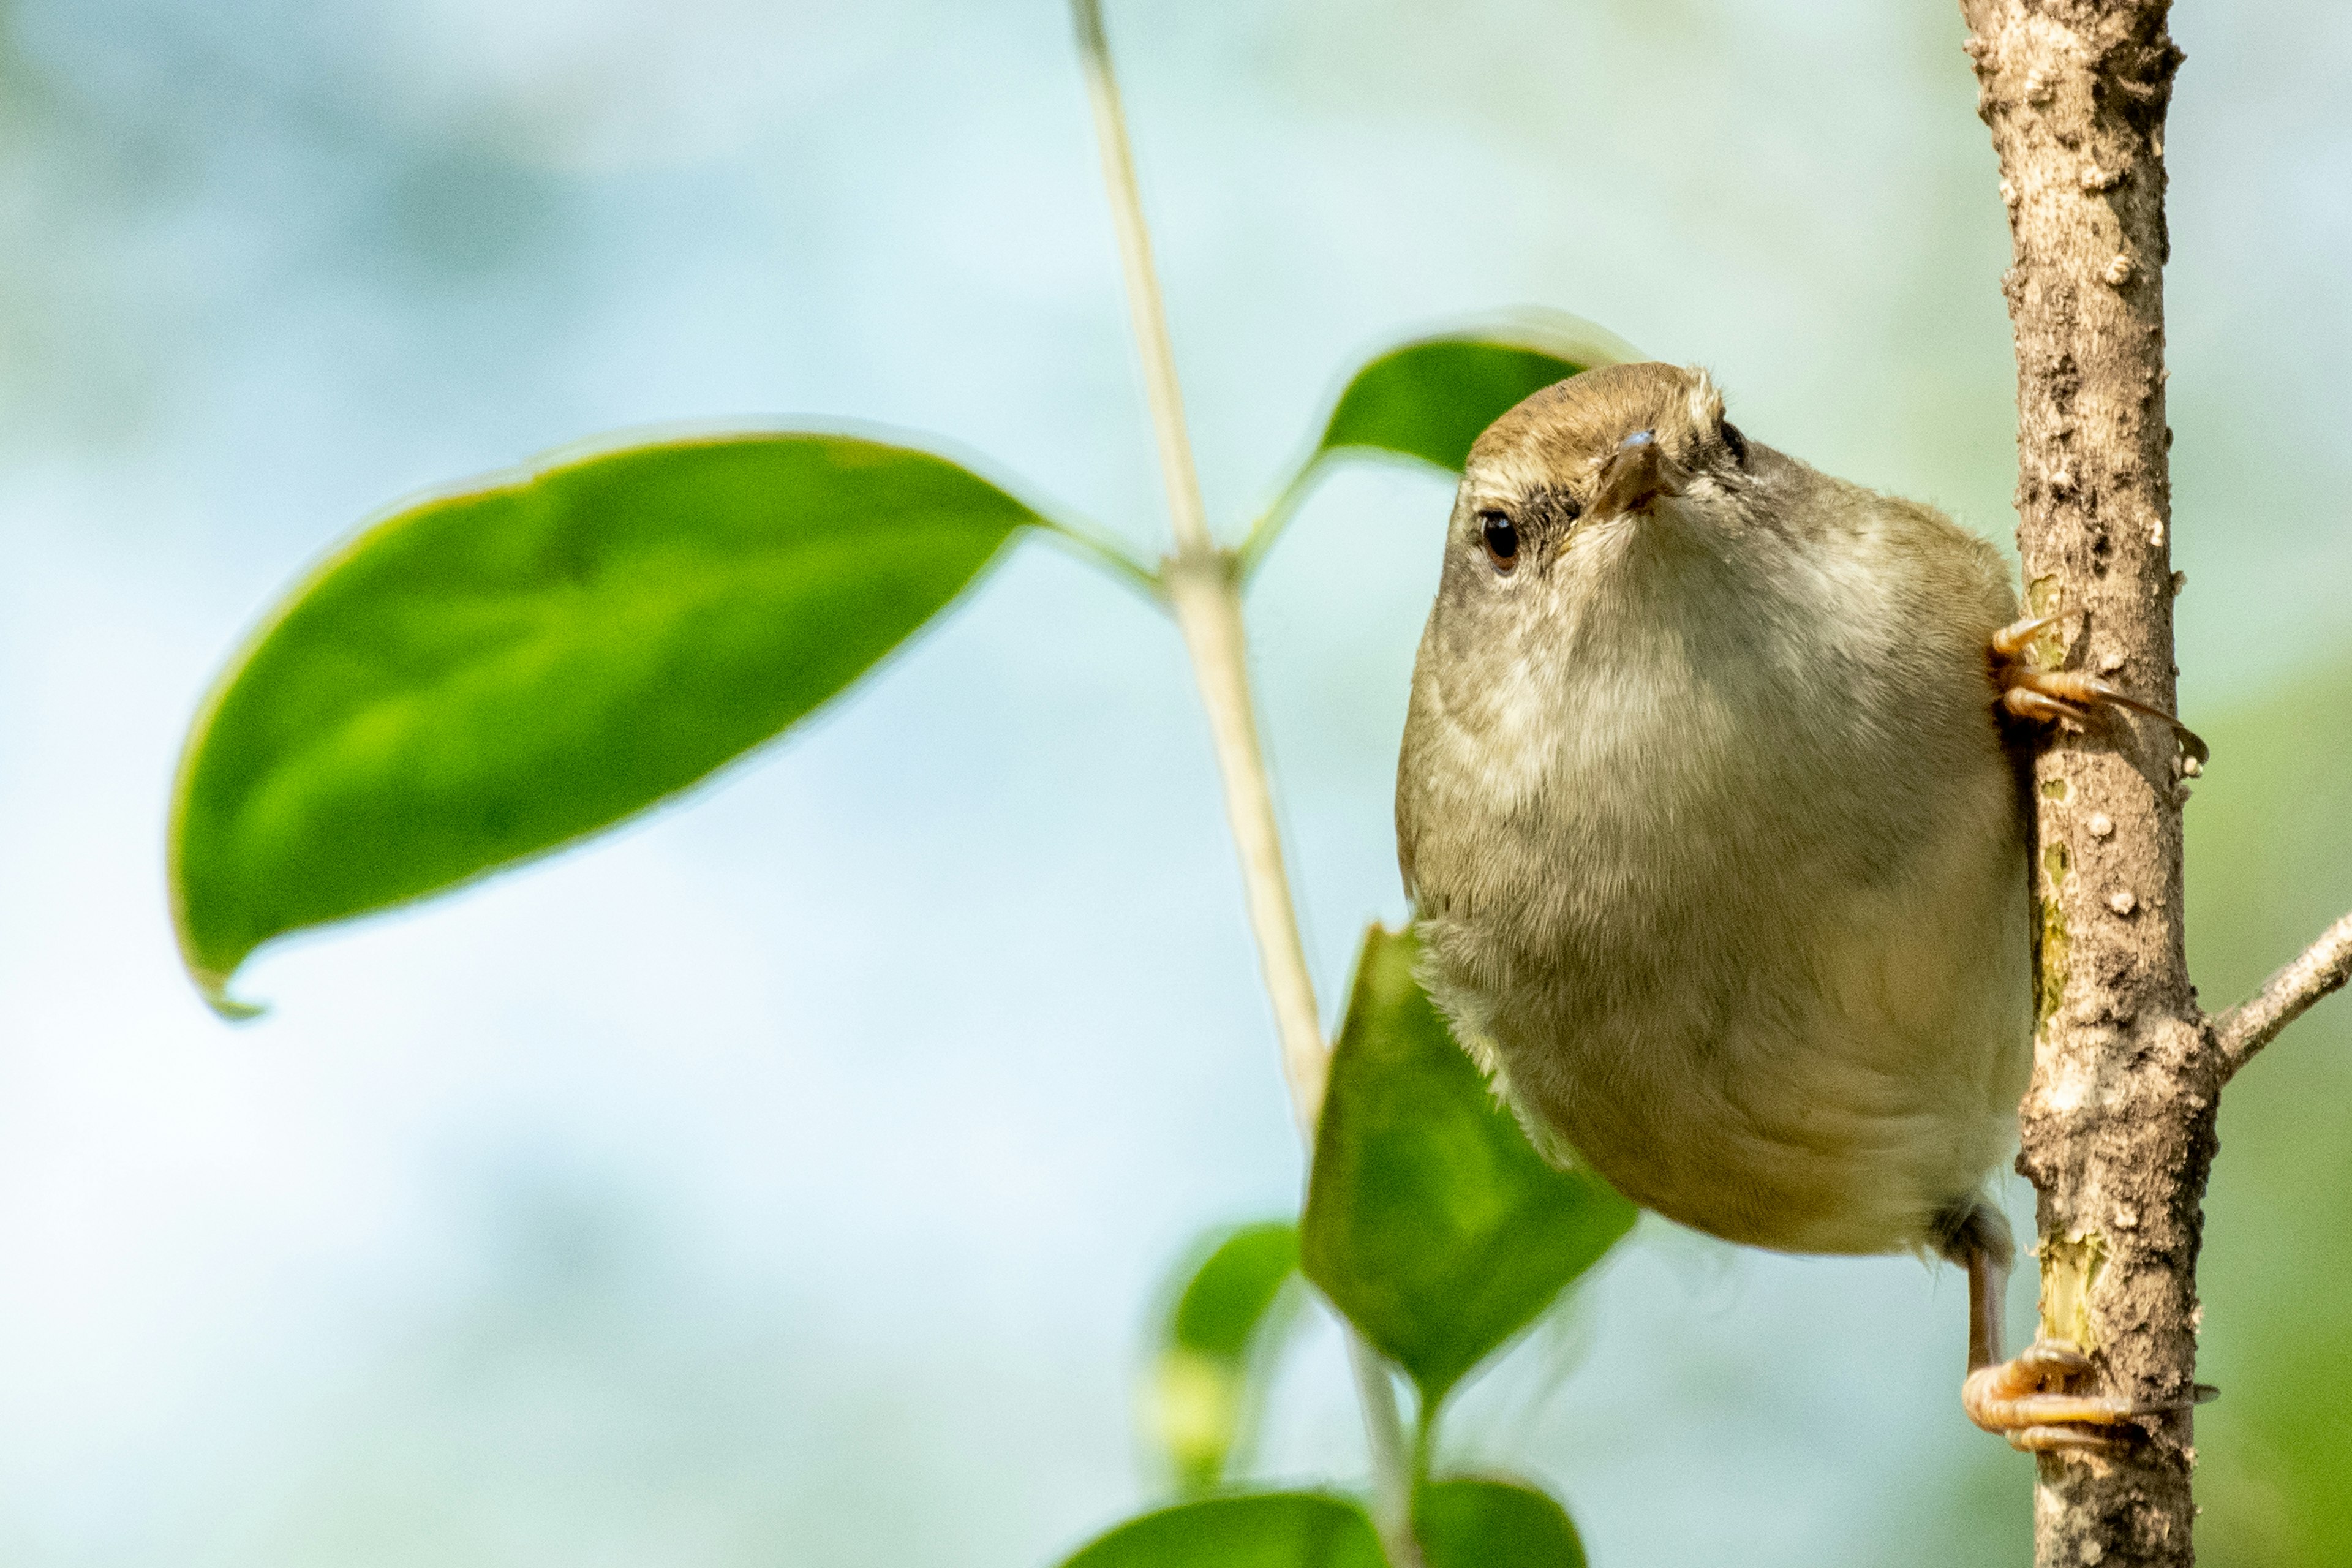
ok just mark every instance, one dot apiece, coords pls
pixel 1636 474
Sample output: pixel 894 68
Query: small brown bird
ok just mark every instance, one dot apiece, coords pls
pixel 1717 845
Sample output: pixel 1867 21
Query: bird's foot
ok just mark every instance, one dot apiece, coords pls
pixel 2024 1400
pixel 2049 696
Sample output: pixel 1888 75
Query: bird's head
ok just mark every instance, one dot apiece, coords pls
pixel 1578 470
pixel 1600 524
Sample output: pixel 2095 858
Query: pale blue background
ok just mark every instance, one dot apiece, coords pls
pixel 788 1177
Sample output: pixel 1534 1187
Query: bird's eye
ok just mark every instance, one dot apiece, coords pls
pixel 1737 442
pixel 1501 538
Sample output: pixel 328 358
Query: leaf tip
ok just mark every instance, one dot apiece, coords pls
pixel 212 985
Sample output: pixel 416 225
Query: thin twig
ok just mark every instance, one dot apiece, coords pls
pixel 1397 1471
pixel 1203 589
pixel 1109 552
pixel 2325 966
pixel 1268 527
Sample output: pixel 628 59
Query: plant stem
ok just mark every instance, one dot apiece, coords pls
pixel 1205 595
pixel 1146 314
pixel 1397 1471
pixel 1202 589
pixel 1202 585
pixel 1268 528
pixel 1107 552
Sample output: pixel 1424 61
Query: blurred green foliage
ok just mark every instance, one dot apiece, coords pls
pixel 1480 1523
pixel 2270 865
pixel 1436 1229
pixel 1274 1530
pixel 1231 1306
pixel 1228 1299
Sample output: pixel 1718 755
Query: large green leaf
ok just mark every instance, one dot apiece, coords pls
pixel 1274 1530
pixel 1198 1401
pixel 484 675
pixel 1431 1221
pixel 1493 1524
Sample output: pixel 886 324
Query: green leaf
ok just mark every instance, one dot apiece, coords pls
pixel 1430 1222
pixel 489 675
pixel 1429 399
pixel 1493 1524
pixel 1273 1529
pixel 1230 1293
pixel 1197 1405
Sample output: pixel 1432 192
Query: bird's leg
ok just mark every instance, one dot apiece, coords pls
pixel 2050 695
pixel 2024 1400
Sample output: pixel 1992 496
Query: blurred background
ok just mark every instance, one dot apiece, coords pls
pixel 790 1177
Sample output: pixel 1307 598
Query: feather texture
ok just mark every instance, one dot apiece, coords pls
pixel 1714 843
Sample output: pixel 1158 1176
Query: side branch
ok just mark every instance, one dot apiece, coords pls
pixel 2325 966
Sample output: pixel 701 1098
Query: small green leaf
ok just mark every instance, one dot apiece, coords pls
pixel 1229 1295
pixel 1430 1222
pixel 486 676
pixel 1431 399
pixel 1493 1524
pixel 1273 1529
pixel 1198 1401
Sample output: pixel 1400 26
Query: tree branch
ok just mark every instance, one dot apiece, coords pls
pixel 2119 1123
pixel 2325 966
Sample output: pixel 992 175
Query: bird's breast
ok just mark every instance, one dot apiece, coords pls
pixel 1739 915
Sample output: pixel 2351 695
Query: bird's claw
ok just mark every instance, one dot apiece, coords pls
pixel 2049 696
pixel 2024 1401
pixel 2010 642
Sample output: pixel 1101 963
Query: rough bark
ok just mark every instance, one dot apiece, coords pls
pixel 2118 1125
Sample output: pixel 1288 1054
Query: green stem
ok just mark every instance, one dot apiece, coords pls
pixel 1268 528
pixel 1202 585
pixel 1396 1471
pixel 1109 552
